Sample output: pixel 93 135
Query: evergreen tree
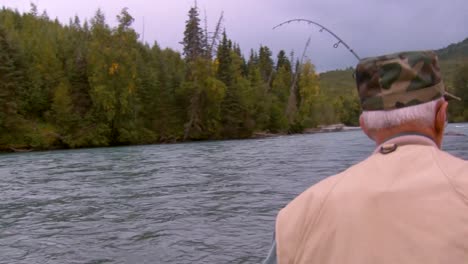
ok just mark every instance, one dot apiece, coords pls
pixel 12 79
pixel 283 61
pixel 62 110
pixel 236 109
pixel 194 39
pixel 309 91
pixel 33 11
pixel 75 53
pixel 260 100
pixel 225 71
pixel 252 62
pixel 281 84
pixel 265 64
pixel 41 39
pixel 204 95
pixel 103 97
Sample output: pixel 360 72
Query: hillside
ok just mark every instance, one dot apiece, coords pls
pixel 454 51
pixel 452 57
pixel 338 82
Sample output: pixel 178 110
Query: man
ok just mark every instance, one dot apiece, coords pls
pixel 408 201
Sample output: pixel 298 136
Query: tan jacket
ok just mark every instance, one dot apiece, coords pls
pixel 407 206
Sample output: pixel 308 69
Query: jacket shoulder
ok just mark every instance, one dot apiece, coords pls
pixel 456 171
pixel 303 210
pixel 312 198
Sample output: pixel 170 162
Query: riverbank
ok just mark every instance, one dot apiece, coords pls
pixel 330 128
pixel 256 135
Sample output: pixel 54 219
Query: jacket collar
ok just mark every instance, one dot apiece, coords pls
pixel 407 139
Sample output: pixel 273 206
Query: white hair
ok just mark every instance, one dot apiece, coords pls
pixel 424 114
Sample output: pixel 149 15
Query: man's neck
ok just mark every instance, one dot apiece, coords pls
pixel 383 135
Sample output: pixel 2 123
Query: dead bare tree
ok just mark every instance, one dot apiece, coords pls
pixel 216 35
pixel 291 108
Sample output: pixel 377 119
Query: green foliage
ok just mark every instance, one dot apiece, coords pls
pixel 265 64
pixel 225 71
pixel 338 82
pixel 283 61
pixel 308 115
pixel 452 59
pixel 458 111
pixel 260 100
pixel 282 84
pixel 11 77
pixel 348 110
pixel 203 95
pixel 454 51
pixel 194 38
pixel 89 84
pixel 62 107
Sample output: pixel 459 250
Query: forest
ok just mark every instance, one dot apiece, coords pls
pixel 86 84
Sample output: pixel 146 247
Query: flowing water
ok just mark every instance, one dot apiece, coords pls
pixel 208 202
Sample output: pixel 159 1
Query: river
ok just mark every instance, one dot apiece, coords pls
pixel 204 202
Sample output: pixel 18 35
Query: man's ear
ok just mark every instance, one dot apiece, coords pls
pixel 441 117
pixel 439 122
pixel 363 126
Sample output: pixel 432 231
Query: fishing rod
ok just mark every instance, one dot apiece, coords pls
pixel 322 28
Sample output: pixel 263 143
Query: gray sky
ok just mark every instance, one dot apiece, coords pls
pixel 370 27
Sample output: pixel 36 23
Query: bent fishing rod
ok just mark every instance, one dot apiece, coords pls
pixel 322 28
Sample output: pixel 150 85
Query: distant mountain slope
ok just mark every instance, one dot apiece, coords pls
pixel 337 82
pixel 451 59
pixel 454 51
pixel 341 82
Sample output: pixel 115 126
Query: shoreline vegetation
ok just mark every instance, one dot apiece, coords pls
pixel 256 135
pixel 316 130
pixel 86 84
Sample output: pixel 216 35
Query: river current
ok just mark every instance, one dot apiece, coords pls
pixel 204 202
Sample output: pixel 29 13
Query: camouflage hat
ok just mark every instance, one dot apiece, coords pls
pixel 399 80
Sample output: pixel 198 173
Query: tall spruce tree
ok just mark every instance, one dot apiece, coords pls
pixel 265 64
pixel 12 80
pixel 224 61
pixel 231 107
pixel 283 61
pixel 75 49
pixel 194 38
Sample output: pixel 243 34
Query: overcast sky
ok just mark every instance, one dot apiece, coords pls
pixel 370 27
